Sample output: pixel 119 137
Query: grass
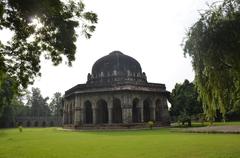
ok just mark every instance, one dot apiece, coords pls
pixel 160 143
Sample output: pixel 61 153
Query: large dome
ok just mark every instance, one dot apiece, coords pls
pixel 116 66
pixel 116 61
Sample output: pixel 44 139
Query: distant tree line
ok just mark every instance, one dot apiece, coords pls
pixel 186 106
pixel 35 106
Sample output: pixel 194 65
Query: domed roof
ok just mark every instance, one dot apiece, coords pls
pixel 116 67
pixel 116 61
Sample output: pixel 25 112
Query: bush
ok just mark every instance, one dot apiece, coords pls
pixel 20 128
pixel 150 124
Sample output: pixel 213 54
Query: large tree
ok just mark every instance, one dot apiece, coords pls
pixel 12 110
pixel 213 44
pixel 40 27
pixel 7 92
pixel 38 104
pixel 56 104
pixel 184 102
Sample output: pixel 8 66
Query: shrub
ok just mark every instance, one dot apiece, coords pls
pixel 150 124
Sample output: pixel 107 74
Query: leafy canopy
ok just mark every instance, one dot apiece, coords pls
pixel 213 43
pixel 40 27
pixel 184 102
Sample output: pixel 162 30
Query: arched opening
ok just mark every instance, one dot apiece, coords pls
pixel 19 123
pixel 12 124
pixel 36 124
pixel 43 124
pixel 158 110
pixel 146 110
pixel 28 124
pixel 102 111
pixel 116 111
pixel 88 112
pixel 136 113
pixel 51 124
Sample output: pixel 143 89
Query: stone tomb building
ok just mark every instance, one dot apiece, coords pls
pixel 116 94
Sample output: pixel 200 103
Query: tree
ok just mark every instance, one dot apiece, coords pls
pixel 56 104
pixel 38 104
pixel 11 110
pixel 7 92
pixel 213 44
pixel 40 27
pixel 184 101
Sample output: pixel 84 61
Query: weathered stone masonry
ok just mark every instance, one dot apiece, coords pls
pixel 117 92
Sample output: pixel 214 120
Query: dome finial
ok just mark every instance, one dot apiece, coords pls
pixel 116 52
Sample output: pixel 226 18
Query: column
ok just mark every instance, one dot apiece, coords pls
pixel 64 115
pixel 153 114
pixel 94 115
pixel 73 114
pixel 69 115
pixel 77 117
pixel 109 115
pixel 82 116
pixel 127 114
pixel 141 112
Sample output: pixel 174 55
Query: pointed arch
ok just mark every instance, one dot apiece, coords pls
pixel 158 110
pixel 88 112
pixel 116 111
pixel 136 113
pixel 147 110
pixel 102 111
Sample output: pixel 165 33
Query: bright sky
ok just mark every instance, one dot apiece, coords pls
pixel 149 31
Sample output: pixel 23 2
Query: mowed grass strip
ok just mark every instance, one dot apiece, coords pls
pixel 160 143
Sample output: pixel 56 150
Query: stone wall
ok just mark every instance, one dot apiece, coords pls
pixel 134 107
pixel 38 121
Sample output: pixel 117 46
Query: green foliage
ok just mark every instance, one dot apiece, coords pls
pixel 7 91
pixel 150 124
pixel 213 44
pixel 56 104
pixel 9 111
pixel 39 105
pixel 53 35
pixel 184 102
pixel 52 143
pixel 20 128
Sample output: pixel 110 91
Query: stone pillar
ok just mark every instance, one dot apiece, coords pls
pixel 109 115
pixel 165 116
pixel 69 114
pixel 141 112
pixel 77 117
pixel 153 114
pixel 94 115
pixel 127 114
pixel 127 108
pixel 73 114
pixel 81 115
pixel 94 110
pixel 64 115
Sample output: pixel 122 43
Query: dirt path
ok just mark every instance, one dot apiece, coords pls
pixel 215 129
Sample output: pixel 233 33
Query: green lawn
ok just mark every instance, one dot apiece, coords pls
pixel 160 143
